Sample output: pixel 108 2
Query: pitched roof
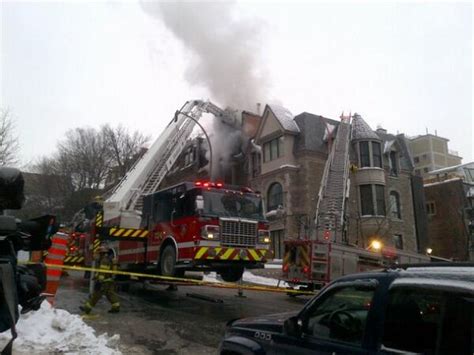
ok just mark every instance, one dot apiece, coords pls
pixel 400 142
pixel 313 128
pixel 285 117
pixel 361 129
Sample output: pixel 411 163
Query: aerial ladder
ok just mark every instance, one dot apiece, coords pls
pixel 334 190
pixel 123 206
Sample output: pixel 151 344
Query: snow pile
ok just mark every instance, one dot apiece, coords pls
pixel 51 330
pixel 248 277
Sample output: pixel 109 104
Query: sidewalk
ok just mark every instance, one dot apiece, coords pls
pixel 272 270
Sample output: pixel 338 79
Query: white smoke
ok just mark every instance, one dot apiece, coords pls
pixel 225 49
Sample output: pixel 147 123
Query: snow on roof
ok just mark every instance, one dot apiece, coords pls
pixel 435 282
pixel 285 117
pixel 442 182
pixel 361 129
pixel 452 168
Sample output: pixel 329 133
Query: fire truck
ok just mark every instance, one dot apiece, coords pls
pixel 322 256
pixel 202 225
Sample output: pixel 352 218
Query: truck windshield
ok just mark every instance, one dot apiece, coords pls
pixel 232 204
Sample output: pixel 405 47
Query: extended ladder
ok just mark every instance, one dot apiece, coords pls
pixel 334 188
pixel 126 200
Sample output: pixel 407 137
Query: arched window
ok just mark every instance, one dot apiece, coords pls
pixel 395 205
pixel 275 196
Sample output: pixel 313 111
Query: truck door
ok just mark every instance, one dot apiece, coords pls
pixel 336 323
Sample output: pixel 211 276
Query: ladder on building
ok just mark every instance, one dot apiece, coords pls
pixel 334 190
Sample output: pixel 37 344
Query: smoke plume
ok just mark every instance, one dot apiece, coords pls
pixel 225 49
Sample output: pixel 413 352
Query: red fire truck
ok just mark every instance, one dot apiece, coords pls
pixel 189 226
pixel 196 226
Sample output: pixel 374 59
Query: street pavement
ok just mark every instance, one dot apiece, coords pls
pixel 190 320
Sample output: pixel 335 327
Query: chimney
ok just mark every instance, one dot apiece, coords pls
pixel 381 130
pixel 258 108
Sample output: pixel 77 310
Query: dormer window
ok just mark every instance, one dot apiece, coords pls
pixel 370 154
pixel 273 149
pixel 393 163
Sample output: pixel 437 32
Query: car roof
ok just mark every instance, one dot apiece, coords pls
pixel 451 273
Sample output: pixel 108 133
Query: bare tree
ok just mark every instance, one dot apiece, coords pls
pixel 125 148
pixel 9 144
pixel 84 156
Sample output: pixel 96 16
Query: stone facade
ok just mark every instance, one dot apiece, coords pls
pixel 299 168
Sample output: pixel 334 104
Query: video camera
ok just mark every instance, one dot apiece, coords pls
pixel 20 284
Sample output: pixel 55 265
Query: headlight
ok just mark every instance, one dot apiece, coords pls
pixel 264 236
pixel 210 232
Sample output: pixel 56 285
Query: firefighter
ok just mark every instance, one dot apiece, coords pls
pixel 104 282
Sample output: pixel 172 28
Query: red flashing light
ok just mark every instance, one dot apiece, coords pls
pixel 198 183
pixel 286 268
pixel 219 184
pixel 206 184
pixel 327 234
pixel 306 269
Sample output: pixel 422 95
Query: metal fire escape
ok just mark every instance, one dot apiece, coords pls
pixel 334 190
pixel 126 200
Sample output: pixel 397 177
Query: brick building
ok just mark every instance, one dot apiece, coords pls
pixel 449 203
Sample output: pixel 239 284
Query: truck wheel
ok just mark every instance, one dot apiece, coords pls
pixel 232 275
pixel 168 263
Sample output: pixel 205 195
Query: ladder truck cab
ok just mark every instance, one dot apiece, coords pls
pixel 324 255
pixel 199 225
pixel 205 226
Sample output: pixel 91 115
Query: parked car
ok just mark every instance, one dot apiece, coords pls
pixel 423 309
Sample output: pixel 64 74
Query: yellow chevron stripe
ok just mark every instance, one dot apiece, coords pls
pixel 228 252
pixel 66 260
pixel 136 233
pixel 128 232
pixel 144 234
pixel 254 254
pixel 200 253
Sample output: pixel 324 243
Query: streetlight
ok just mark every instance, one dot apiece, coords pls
pixel 178 112
pixel 375 245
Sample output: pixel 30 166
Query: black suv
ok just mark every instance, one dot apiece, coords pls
pixel 422 309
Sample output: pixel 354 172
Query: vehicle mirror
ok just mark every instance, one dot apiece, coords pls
pixel 293 326
pixel 199 203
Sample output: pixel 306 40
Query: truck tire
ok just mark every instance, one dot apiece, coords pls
pixel 232 275
pixel 168 263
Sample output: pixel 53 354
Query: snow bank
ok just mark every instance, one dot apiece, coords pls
pixel 51 330
pixel 248 277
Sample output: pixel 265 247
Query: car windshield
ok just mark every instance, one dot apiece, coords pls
pixel 232 204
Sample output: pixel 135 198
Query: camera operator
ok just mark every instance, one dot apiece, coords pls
pixel 19 284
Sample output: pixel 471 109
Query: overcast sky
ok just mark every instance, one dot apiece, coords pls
pixel 406 67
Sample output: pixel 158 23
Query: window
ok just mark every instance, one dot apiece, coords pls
pixel 416 160
pixel 426 170
pixel 398 241
pixel 366 200
pixel 425 156
pixel 431 208
pixel 429 321
pixel 341 315
pixel 364 154
pixel 372 200
pixel 395 205
pixel 380 199
pixel 393 163
pixel 275 196
pixel 377 154
pixel 273 149
pixel 365 149
pixel 189 156
pixel 418 172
